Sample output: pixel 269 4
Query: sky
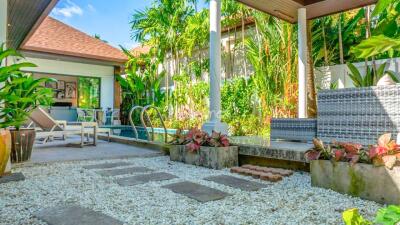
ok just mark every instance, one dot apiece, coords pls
pixel 109 19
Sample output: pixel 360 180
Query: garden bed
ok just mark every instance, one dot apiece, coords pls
pixel 366 181
pixel 210 157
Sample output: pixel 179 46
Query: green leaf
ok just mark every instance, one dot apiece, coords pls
pixel 388 216
pixel 355 75
pixel 375 45
pixel 15 67
pixel 352 217
pixel 393 76
pixel 381 6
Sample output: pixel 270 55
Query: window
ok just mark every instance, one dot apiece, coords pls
pixel 89 92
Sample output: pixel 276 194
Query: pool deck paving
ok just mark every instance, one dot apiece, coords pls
pixel 234 182
pixel 60 151
pixel 106 165
pixel 197 192
pixel 14 177
pixel 144 178
pixel 124 171
pixel 73 215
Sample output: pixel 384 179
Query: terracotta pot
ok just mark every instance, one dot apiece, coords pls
pixel 22 144
pixel 5 149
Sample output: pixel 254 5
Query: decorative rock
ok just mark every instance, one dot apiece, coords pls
pixel 292 200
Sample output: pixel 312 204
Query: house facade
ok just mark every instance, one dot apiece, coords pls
pixel 84 66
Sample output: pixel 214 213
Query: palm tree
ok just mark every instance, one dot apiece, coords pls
pixel 161 27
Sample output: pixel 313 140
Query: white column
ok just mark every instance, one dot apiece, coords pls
pixel 3 20
pixel 214 122
pixel 302 76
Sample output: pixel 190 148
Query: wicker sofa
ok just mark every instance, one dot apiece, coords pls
pixel 358 115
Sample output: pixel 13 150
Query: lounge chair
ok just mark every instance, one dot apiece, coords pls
pixel 51 128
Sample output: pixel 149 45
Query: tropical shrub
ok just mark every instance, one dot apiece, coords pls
pixel 389 215
pixel 337 151
pixel 385 153
pixel 385 36
pixel 196 138
pixel 21 93
pixel 371 76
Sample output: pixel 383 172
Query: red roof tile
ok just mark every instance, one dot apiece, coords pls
pixel 137 51
pixel 53 36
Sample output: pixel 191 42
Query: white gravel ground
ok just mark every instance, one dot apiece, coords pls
pixel 291 201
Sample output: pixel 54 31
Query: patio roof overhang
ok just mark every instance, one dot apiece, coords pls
pixel 288 9
pixel 23 17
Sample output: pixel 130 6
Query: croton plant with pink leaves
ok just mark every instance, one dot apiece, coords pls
pixel 385 153
pixel 196 138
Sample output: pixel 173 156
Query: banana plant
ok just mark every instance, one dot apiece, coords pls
pixel 371 78
pixel 385 36
pixel 7 71
pixel 21 95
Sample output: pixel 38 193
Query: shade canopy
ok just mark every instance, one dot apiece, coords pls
pixel 287 9
pixel 23 17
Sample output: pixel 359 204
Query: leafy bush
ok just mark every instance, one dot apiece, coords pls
pixel 196 138
pixel 385 153
pixel 386 216
pixel 371 77
pixel 21 93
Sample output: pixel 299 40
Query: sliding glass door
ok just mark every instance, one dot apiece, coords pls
pixel 89 92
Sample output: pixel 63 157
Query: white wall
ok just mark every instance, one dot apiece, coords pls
pixel 106 73
pixel 339 73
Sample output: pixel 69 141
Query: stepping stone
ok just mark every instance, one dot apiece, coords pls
pixel 195 191
pixel 130 170
pixel 106 165
pixel 242 184
pixel 14 177
pixel 144 178
pixel 73 215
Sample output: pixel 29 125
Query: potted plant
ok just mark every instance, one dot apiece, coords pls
pixel 5 149
pixel 20 95
pixel 198 148
pixel 371 172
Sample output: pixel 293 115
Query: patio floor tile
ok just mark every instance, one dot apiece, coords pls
pixel 106 165
pixel 198 192
pixel 12 178
pixel 123 171
pixel 73 215
pixel 144 178
pixel 242 184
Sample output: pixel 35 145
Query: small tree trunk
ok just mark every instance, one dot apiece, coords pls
pixel 244 48
pixel 340 39
pixel 311 96
pixel 325 46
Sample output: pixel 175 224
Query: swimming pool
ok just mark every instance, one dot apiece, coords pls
pixel 127 131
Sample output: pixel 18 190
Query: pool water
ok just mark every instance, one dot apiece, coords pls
pixel 127 131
